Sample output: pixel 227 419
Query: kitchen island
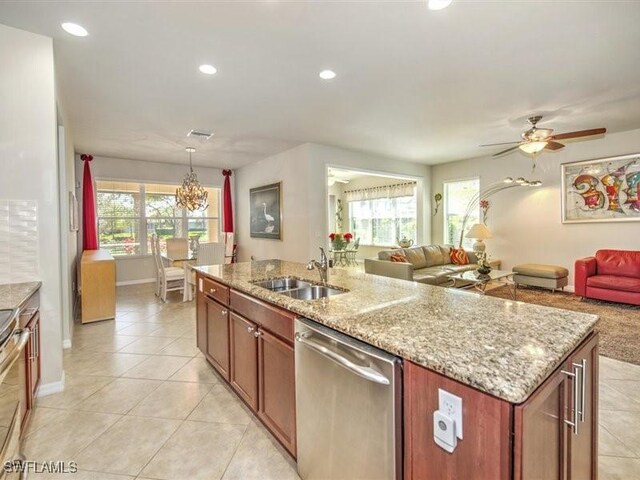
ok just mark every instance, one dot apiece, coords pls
pixel 514 365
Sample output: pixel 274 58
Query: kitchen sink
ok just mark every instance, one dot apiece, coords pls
pixel 282 284
pixel 313 292
pixel 298 289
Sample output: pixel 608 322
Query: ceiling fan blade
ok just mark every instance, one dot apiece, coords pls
pixel 579 133
pixel 494 144
pixel 506 151
pixel 551 145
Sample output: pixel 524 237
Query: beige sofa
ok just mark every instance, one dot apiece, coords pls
pixel 429 264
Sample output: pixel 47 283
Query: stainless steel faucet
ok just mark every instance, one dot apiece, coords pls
pixel 322 266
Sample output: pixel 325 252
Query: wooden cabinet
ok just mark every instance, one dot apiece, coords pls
pixel 244 359
pixel 276 366
pixel 218 336
pixel 533 440
pixel 31 362
pixel 98 285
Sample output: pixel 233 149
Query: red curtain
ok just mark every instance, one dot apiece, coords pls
pixel 89 223
pixel 226 203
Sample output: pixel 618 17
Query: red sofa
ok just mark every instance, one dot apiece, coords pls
pixel 612 275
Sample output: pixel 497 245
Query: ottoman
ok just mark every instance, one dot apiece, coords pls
pixel 538 275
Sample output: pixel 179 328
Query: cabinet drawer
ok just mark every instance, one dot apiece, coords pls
pixel 215 290
pixel 271 318
pixel 29 309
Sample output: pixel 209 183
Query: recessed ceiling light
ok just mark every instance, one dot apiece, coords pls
pixel 74 29
pixel 439 4
pixel 327 74
pixel 208 69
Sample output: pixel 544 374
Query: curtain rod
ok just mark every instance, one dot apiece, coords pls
pixel 381 187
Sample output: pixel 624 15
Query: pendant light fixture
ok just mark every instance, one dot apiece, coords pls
pixel 191 195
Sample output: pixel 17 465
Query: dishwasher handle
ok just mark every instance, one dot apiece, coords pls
pixel 367 373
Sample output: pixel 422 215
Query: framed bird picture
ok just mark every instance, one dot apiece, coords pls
pixel 266 211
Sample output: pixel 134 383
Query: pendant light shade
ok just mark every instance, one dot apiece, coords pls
pixel 191 195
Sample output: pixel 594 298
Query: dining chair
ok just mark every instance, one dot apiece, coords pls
pixel 177 247
pixel 170 278
pixel 352 251
pixel 208 254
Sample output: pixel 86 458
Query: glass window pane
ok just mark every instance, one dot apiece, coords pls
pixel 457 196
pixel 120 236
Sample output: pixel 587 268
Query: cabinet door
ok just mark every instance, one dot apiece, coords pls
pixel 541 432
pixel 201 322
pixel 244 359
pixel 218 336
pixel 277 407
pixel 582 449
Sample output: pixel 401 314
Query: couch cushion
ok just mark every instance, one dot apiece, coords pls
pixel 386 254
pixel 416 257
pixel 398 257
pixel 446 253
pixel 614 282
pixel 459 257
pixel 539 270
pixel 624 263
pixel 433 254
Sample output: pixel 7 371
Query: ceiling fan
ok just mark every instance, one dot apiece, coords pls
pixel 535 139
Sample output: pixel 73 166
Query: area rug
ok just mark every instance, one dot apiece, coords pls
pixel 619 324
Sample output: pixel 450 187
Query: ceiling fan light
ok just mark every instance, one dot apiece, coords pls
pixel 520 180
pixel 508 180
pixel 438 4
pixel 532 147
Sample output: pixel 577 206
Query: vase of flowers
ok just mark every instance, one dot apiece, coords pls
pixel 339 240
pixel 484 267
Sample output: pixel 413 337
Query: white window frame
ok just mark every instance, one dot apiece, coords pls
pixel 445 224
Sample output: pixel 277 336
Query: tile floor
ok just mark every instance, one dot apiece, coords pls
pixel 141 402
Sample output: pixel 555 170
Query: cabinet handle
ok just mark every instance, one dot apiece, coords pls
pixel 583 398
pixel 33 355
pixel 576 375
pixel 250 329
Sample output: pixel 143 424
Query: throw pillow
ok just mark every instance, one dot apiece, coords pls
pixel 398 258
pixel 459 256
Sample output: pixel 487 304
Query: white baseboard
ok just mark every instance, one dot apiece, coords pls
pixel 66 343
pixel 570 289
pixel 135 282
pixel 50 388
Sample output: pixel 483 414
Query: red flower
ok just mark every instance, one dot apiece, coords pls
pixel 348 237
pixel 332 236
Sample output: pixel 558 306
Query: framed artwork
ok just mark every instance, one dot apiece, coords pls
pixel 266 211
pixel 602 190
pixel 73 212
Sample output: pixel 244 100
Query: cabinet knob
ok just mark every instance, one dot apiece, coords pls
pixel 250 329
pixel 212 290
pixel 223 312
pixel 257 333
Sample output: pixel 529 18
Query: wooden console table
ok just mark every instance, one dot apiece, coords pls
pixel 98 283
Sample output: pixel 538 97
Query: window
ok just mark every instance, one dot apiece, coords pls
pixel 382 221
pixel 457 196
pixel 129 213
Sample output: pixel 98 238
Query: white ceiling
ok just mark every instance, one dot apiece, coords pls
pixel 412 83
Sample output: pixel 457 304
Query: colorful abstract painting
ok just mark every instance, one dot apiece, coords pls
pixel 603 190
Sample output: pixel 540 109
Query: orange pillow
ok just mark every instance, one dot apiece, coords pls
pixel 459 256
pixel 398 258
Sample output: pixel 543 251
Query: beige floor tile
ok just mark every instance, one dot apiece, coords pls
pixel 617 370
pixel 80 475
pixel 616 468
pixel 208 448
pixel 221 406
pixel 133 317
pixel 76 389
pixel 182 347
pixel 140 328
pixel 149 345
pixel 172 400
pixel 197 370
pixel 64 438
pixel 610 446
pixel 625 426
pixel 119 396
pixel 619 395
pixel 106 364
pixel 260 457
pixel 157 367
pixel 170 330
pixel 106 327
pixel 41 416
pixel 99 343
pixel 128 445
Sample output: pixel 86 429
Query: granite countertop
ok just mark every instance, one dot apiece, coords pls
pixel 501 347
pixel 12 295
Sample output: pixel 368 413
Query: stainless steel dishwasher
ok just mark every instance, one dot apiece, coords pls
pixel 348 407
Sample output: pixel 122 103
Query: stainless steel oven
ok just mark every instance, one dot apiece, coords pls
pixel 12 385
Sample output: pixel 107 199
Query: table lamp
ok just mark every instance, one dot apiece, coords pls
pixel 478 232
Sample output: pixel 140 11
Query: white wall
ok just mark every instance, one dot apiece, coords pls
pixel 526 223
pixel 303 172
pixel 140 268
pixel 29 159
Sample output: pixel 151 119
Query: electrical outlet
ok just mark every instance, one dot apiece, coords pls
pixel 451 406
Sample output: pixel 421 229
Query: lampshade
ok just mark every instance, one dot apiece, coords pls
pixel 532 147
pixel 479 231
